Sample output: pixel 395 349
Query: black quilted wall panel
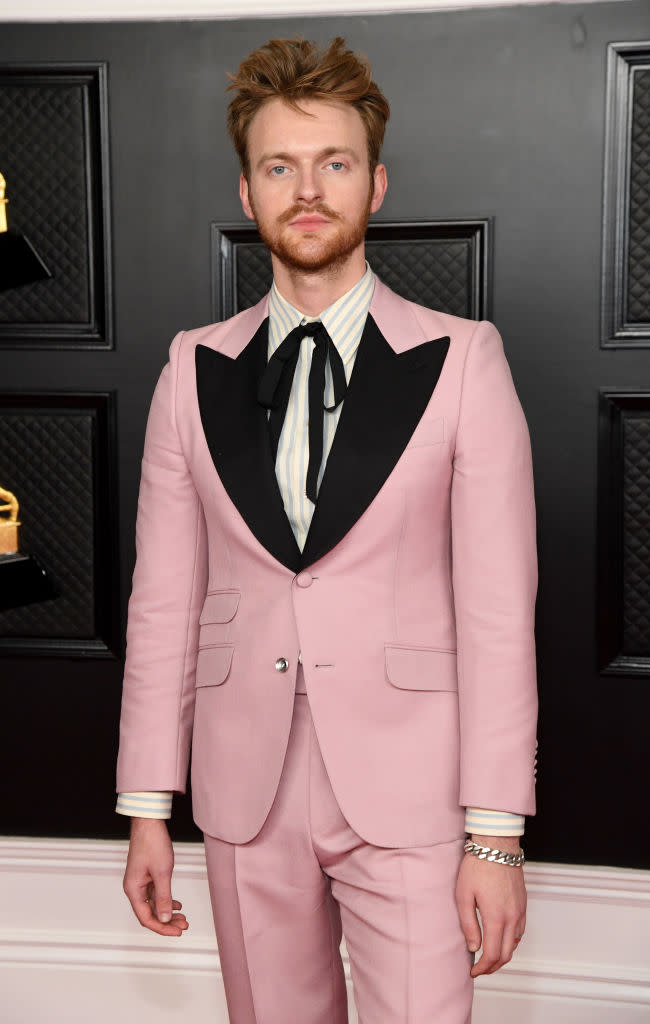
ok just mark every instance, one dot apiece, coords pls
pixel 638 276
pixel 625 302
pixel 252 275
pixel 437 273
pixel 636 535
pixel 439 264
pixel 54 457
pixel 624 532
pixel 53 157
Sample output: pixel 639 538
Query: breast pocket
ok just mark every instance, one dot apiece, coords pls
pixel 219 608
pixel 428 431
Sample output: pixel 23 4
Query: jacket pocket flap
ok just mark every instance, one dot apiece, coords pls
pixel 421 668
pixel 220 606
pixel 213 665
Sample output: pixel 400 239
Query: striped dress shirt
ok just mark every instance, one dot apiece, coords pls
pixel 344 321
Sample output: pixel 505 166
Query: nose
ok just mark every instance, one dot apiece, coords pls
pixel 308 188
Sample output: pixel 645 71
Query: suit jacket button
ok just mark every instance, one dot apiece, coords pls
pixel 304 579
pixel 281 665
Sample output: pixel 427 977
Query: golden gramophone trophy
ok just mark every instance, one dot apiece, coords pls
pixel 9 524
pixel 20 264
pixel 23 580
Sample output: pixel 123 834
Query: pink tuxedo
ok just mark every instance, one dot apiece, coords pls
pixel 412 603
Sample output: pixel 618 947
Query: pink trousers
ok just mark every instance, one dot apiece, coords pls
pixel 281 902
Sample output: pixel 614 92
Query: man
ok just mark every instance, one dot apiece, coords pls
pixel 333 598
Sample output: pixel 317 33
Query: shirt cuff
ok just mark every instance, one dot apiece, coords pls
pixel 145 805
pixel 493 823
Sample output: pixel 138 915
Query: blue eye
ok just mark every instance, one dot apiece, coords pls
pixel 278 171
pixel 337 165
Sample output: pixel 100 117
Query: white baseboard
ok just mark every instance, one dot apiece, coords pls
pixel 68 939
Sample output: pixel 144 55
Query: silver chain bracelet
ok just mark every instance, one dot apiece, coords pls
pixel 513 860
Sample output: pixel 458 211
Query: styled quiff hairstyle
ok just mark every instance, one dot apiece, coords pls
pixel 294 70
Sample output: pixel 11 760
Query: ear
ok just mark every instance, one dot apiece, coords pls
pixel 244 195
pixel 380 184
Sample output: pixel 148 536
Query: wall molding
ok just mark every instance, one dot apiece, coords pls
pixel 611 983
pixel 30 947
pixel 583 955
pixel 624 323
pixel 56 162
pixel 91 856
pixel 64 442
pixel 623 533
pixel 564 882
pixel 135 10
pixel 584 884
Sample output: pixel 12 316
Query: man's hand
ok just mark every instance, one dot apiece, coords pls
pixel 148 876
pixel 499 892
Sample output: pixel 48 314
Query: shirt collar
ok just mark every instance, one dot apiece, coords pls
pixel 344 319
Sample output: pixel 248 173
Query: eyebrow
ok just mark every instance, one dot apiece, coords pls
pixel 329 151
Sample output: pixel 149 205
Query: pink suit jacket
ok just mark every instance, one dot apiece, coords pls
pixel 412 603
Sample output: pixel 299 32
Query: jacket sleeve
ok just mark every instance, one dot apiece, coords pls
pixel 494 582
pixel 169 584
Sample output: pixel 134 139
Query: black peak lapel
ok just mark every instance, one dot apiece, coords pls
pixel 387 396
pixel 236 430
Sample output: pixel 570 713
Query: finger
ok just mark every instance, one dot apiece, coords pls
pixel 149 919
pixel 492 943
pixel 519 931
pixel 161 897
pixel 180 921
pixel 143 910
pixel 466 905
pixel 508 944
pixel 512 933
pixel 469 920
pixel 177 919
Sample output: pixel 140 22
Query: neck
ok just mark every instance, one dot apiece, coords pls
pixel 312 292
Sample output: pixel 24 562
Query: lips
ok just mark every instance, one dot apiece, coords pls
pixel 309 221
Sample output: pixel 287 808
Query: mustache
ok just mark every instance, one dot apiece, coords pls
pixel 300 209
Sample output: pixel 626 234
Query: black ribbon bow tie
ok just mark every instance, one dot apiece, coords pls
pixel 275 388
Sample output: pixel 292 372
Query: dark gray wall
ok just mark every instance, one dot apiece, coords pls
pixel 496 113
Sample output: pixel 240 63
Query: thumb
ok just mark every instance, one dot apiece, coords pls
pixel 469 921
pixel 163 897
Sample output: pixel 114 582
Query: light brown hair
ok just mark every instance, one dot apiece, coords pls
pixel 294 70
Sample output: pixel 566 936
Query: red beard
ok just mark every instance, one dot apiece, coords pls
pixel 312 253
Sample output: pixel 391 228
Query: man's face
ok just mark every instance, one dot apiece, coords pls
pixel 309 187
